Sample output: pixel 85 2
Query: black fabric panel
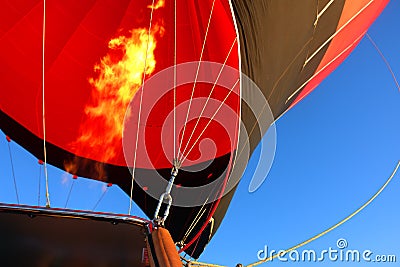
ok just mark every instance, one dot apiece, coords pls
pixel 198 247
pixel 33 238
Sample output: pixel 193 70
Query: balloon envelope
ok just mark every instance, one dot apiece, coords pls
pixel 107 71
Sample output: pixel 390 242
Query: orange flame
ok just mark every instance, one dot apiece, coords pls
pixel 115 87
pixel 117 84
pixel 120 76
pixel 159 4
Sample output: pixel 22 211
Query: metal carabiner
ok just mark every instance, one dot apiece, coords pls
pixel 166 196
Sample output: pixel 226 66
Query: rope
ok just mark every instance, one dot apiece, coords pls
pixel 69 194
pixel 209 96
pixel 197 73
pixel 338 31
pixel 347 48
pixel 43 106
pixel 203 264
pixel 201 211
pixel 12 170
pixel 318 72
pixel 208 217
pixel 102 195
pixel 384 60
pixel 323 11
pixel 198 263
pixel 323 68
pixel 40 182
pixel 198 138
pixel 209 121
pixel 174 134
pixel 365 204
pixel 297 90
pixel 336 225
pixel 195 221
pixel 140 108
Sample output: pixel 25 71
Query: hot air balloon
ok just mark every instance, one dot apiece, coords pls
pixel 149 96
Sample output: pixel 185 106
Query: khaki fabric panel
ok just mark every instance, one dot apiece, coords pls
pixel 355 19
pixel 276 38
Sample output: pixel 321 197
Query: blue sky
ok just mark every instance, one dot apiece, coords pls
pixel 334 150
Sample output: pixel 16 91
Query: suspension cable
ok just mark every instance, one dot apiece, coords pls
pixel 12 168
pixel 366 203
pixel 204 264
pixel 140 107
pixel 337 32
pixel 196 219
pixel 297 90
pixel 74 177
pixel 384 60
pixel 209 121
pixel 198 263
pixel 211 211
pixel 197 74
pixel 40 162
pixel 183 156
pixel 175 60
pixel 102 196
pixel 209 97
pixel 159 221
pixel 322 12
pixel 43 106
pixel 324 67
